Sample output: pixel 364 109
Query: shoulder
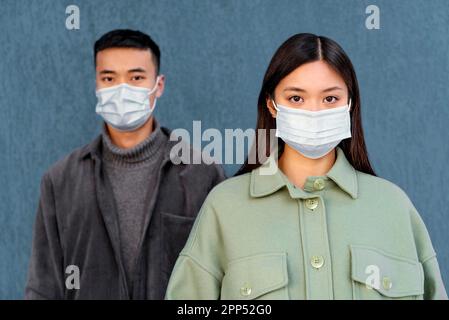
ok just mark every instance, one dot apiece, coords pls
pixel 70 166
pixel 205 166
pixel 382 191
pixel 394 205
pixel 221 207
pixel 181 152
pixel 234 188
pixel 228 197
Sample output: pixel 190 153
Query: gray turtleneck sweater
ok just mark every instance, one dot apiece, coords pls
pixel 133 174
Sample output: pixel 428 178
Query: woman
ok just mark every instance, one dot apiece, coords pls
pixel 323 226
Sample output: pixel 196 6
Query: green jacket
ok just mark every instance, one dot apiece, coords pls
pixel 345 235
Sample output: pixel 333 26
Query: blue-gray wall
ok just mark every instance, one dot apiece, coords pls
pixel 214 54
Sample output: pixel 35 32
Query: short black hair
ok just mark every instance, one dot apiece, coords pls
pixel 125 38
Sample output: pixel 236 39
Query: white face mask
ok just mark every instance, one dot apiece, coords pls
pixel 313 133
pixel 125 107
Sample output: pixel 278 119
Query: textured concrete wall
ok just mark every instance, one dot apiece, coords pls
pixel 214 54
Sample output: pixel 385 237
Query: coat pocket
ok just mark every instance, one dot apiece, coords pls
pixel 261 276
pixel 175 231
pixel 380 275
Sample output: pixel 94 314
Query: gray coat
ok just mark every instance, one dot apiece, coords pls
pixel 77 225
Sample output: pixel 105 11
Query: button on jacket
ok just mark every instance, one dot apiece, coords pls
pixel 77 225
pixel 345 235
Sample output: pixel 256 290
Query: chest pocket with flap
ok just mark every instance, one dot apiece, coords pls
pixel 379 275
pixel 261 276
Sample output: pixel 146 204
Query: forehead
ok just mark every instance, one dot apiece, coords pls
pixel 118 59
pixel 313 75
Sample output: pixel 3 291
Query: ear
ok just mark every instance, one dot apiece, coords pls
pixel 160 86
pixel 270 106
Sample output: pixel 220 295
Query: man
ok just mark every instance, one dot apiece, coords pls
pixel 114 214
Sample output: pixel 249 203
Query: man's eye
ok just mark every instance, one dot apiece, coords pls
pixel 296 99
pixel 107 79
pixel 137 78
pixel 330 99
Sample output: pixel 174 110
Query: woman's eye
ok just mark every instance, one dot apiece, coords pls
pixel 296 99
pixel 330 99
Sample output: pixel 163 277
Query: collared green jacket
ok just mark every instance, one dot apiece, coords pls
pixel 345 235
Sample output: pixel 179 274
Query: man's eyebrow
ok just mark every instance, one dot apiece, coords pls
pixel 137 70
pixel 107 72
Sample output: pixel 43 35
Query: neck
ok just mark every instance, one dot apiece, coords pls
pixel 129 139
pixel 298 167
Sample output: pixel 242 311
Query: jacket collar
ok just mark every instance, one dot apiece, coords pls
pixel 267 179
pixel 94 149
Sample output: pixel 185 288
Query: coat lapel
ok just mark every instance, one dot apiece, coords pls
pixel 109 213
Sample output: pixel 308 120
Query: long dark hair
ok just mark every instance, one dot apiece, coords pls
pixel 296 51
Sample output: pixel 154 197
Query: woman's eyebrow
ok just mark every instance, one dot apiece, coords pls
pixel 303 90
pixel 332 89
pixel 294 89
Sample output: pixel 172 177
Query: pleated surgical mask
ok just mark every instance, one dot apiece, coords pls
pixel 125 107
pixel 313 133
